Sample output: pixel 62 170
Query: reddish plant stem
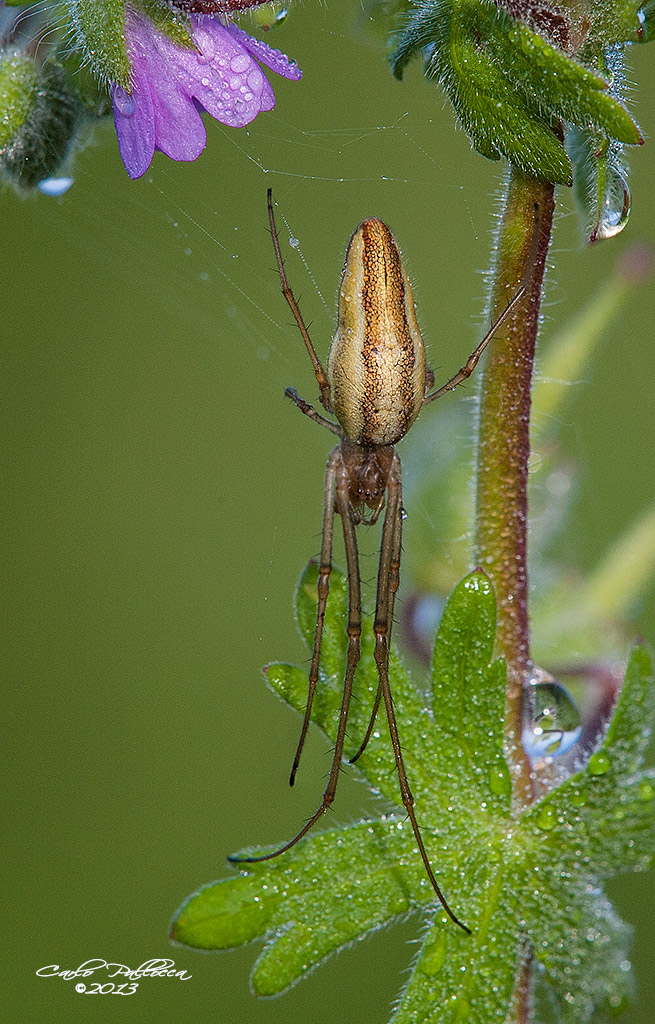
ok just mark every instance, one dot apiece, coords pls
pixel 504 443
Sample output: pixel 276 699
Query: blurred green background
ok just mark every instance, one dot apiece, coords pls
pixel 162 498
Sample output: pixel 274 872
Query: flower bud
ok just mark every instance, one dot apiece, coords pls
pixel 39 121
pixel 18 91
pixel 99 28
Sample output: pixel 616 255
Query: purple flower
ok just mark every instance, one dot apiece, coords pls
pixel 171 85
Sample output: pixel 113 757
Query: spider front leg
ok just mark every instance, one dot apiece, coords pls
pixel 319 371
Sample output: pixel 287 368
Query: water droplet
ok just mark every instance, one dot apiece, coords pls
pixel 551 720
pixel 240 63
pixel 646 790
pixel 547 819
pixel 500 782
pixel 255 79
pixel 55 186
pixel 123 101
pixel 615 208
pixel 293 242
pixel 204 81
pixel 599 764
pixel 432 962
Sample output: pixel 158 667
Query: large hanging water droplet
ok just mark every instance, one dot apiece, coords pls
pixel 551 720
pixel 615 207
pixel 55 186
pixel 123 101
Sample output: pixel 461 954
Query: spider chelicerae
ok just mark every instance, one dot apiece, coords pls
pixel 375 385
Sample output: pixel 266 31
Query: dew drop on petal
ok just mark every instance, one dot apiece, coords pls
pixel 551 720
pixel 240 63
pixel 255 79
pixel 208 48
pixel 124 101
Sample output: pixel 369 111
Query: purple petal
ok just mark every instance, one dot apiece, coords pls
pixel 170 84
pixel 223 77
pixel 273 59
pixel 135 128
pixel 179 130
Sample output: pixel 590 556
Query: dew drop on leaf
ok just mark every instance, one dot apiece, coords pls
pixel 500 782
pixel 547 819
pixel 615 207
pixel 551 720
pixel 599 764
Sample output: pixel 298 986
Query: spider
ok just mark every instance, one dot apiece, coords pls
pixel 376 384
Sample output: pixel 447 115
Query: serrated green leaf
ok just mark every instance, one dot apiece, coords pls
pixel 522 881
pixel 609 806
pixel 468 692
pixel 587 970
pixel 326 893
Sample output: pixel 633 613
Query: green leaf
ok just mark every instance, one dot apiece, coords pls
pixel 508 85
pixel 526 883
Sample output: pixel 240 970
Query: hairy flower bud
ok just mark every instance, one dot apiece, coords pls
pixel 39 121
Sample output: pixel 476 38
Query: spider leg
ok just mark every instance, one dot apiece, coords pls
pixel 319 372
pixel 382 630
pixel 521 292
pixel 323 589
pixel 342 501
pixel 310 411
pixel 474 358
pixel 394 582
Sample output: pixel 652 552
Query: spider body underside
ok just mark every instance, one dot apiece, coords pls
pixel 376 384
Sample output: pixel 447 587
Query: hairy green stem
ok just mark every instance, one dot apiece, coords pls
pixel 504 442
